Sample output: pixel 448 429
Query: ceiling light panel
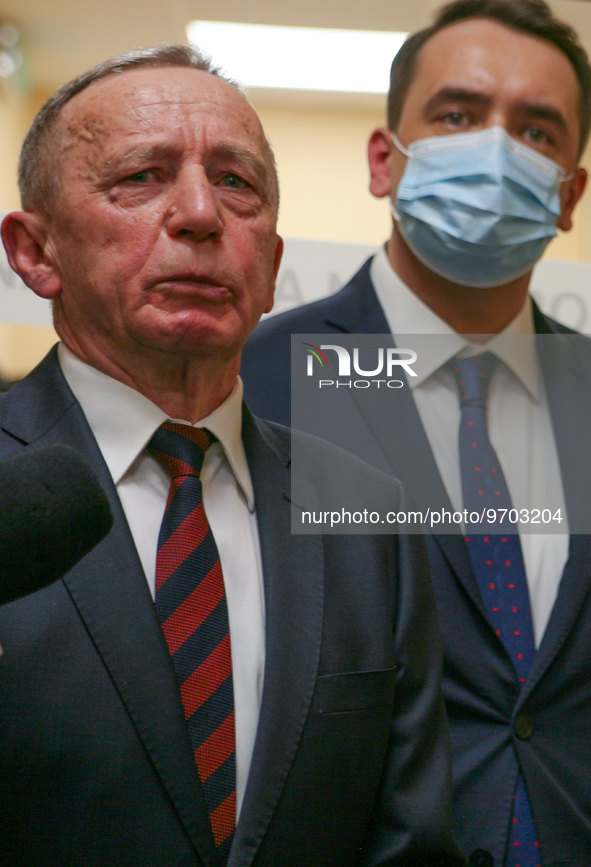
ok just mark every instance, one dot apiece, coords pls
pixel 300 58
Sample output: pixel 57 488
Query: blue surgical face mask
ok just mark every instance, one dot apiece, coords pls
pixel 478 208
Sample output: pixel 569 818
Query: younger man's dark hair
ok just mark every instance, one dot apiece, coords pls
pixel 530 16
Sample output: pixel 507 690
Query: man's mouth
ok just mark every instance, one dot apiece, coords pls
pixel 191 287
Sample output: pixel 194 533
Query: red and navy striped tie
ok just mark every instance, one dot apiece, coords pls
pixel 191 606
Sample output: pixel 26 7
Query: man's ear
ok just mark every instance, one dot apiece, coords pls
pixel 25 239
pixel 276 264
pixel 379 149
pixel 570 195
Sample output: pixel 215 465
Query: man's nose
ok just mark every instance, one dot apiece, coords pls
pixel 498 116
pixel 194 208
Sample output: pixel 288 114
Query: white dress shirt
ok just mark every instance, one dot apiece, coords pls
pixel 519 423
pixel 123 421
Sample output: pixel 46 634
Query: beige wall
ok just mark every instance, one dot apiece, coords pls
pixel 12 123
pixel 323 173
pixel 21 346
pixel 320 153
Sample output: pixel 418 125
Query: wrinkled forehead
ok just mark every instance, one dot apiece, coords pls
pixel 149 101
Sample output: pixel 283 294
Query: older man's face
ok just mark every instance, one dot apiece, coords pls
pixel 163 230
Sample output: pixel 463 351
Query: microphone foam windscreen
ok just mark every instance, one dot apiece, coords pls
pixel 53 512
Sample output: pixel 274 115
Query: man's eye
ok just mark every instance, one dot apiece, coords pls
pixel 234 181
pixel 455 119
pixel 139 177
pixel 537 136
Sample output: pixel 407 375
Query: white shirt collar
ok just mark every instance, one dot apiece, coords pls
pixel 123 421
pixel 407 315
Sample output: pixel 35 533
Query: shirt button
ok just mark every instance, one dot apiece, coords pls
pixel 481 858
pixel 523 726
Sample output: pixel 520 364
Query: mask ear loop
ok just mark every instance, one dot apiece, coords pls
pixel 399 145
pixel 393 209
pixel 568 177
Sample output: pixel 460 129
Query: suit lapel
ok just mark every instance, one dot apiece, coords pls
pixel 574 588
pixel 401 436
pixel 110 592
pixel 565 360
pixel 355 309
pixel 293 569
pixel 122 624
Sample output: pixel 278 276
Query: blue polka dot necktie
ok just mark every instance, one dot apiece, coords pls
pixel 191 606
pixel 495 553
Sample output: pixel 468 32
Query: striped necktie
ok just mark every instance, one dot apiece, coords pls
pixel 497 560
pixel 191 606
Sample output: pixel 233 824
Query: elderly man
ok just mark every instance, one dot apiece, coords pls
pixel 488 114
pixel 203 688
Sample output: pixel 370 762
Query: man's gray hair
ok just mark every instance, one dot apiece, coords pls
pixel 39 164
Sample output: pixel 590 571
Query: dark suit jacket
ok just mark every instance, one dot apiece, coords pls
pixel 494 724
pixel 96 770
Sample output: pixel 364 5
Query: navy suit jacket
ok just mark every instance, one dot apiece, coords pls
pixel 494 722
pixel 350 765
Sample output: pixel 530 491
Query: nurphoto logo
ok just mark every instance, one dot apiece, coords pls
pixel 387 362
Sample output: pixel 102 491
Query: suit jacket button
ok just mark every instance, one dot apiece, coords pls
pixel 481 858
pixel 523 726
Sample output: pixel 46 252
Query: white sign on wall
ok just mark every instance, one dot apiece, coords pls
pixel 18 305
pixel 313 269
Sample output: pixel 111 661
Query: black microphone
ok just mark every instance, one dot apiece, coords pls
pixel 52 512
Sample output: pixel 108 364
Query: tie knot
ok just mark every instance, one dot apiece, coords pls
pixel 473 377
pixel 180 448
